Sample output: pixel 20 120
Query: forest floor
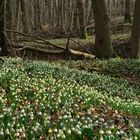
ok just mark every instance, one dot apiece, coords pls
pixel 72 100
pixel 121 44
pixel 66 97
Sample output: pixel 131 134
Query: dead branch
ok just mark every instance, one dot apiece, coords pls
pixel 53 52
pixel 81 46
pixel 85 55
pixel 36 37
pixel 121 26
pixel 61 51
pixel 50 52
pixel 30 41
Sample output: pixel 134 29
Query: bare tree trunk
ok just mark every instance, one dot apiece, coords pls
pixel 3 49
pixel 17 16
pixel 53 17
pixel 37 19
pixel 9 18
pixel 127 17
pixel 81 18
pixel 24 16
pixel 102 29
pixel 75 21
pixel 135 49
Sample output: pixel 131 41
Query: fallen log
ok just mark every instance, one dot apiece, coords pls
pixel 50 52
pixel 55 52
pixel 60 49
pixel 85 55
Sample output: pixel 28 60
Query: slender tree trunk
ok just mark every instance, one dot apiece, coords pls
pixel 71 16
pixel 75 21
pixel 17 16
pixel 127 17
pixel 53 17
pixel 102 29
pixel 90 14
pixel 9 18
pixel 24 16
pixel 3 49
pixel 135 49
pixel 37 19
pixel 81 18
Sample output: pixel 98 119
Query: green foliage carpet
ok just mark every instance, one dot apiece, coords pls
pixel 49 101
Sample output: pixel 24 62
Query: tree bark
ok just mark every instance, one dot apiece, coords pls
pixel 102 29
pixel 37 20
pixel 81 18
pixel 127 17
pixel 24 16
pixel 9 18
pixel 3 49
pixel 135 49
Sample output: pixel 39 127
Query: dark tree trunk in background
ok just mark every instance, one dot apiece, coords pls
pixel 102 29
pixel 127 17
pixel 75 20
pixel 2 28
pixel 37 20
pixel 24 16
pixel 9 18
pixel 81 18
pixel 135 49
